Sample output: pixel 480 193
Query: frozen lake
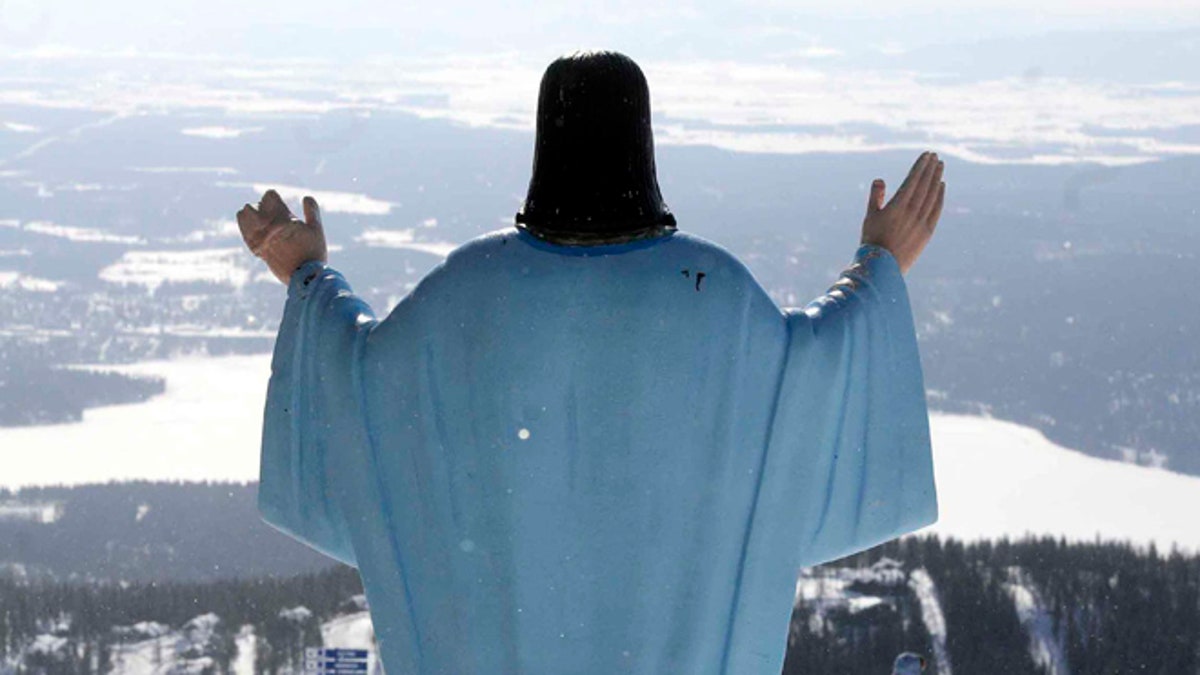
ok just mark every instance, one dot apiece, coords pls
pixel 994 478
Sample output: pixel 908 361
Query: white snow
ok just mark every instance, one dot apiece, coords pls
pixel 207 426
pixel 358 602
pixel 152 648
pixel 827 589
pixel 199 330
pixel 199 630
pixel 330 201
pixel 931 614
pixel 227 266
pixel 1151 458
pixel 382 238
pixel 219 170
pixel 34 333
pixel 47 645
pixel 219 132
pixel 85 187
pixel 1045 647
pixel 299 614
pixel 142 630
pixel 247 648
pixel 999 479
pixel 80 234
pixel 218 228
pixel 37 512
pixel 153 656
pixel 19 128
pixel 353 631
pixel 12 280
pixel 168 652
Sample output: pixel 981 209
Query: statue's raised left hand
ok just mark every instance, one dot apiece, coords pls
pixel 283 241
pixel 905 224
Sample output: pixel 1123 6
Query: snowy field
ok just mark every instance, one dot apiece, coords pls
pixel 994 478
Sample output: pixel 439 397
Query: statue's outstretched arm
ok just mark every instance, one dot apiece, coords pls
pixel 313 424
pixel 851 426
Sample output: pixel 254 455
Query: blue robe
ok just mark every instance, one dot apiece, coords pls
pixel 609 459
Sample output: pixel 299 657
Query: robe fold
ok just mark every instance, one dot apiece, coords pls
pixel 606 459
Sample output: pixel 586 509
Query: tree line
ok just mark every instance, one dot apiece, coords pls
pixel 1111 607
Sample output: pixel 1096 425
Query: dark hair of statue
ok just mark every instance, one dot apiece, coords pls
pixel 594 179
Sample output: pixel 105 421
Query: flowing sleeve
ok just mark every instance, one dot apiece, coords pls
pixel 313 415
pixel 851 415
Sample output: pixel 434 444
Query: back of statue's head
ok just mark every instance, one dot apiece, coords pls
pixel 593 178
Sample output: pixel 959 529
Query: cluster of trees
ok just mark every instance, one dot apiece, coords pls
pixel 1112 608
pixel 90 619
pixel 150 531
pixel 34 393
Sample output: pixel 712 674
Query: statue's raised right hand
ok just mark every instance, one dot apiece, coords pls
pixel 906 224
pixel 283 241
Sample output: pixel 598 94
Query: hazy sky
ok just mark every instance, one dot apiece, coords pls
pixel 358 27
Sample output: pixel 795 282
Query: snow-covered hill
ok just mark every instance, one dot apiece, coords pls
pixel 994 478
